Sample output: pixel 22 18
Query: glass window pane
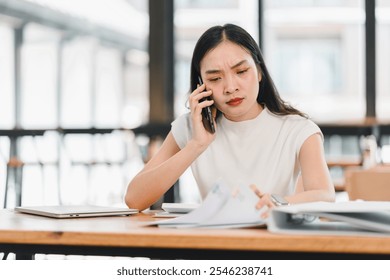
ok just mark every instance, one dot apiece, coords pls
pixel 201 4
pixel 4 156
pixel 77 68
pixel 38 77
pixel 109 87
pixel 319 60
pixel 383 59
pixel 136 87
pixel 315 53
pixel 6 77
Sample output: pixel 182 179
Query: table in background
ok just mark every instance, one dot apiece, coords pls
pixel 343 163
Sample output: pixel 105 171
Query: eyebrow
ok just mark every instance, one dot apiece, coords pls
pixel 213 71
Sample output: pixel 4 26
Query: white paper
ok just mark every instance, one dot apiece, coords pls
pixel 212 203
pixel 222 208
pixel 239 210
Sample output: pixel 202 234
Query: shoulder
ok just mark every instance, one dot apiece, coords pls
pixel 183 120
pixel 293 121
pixel 297 128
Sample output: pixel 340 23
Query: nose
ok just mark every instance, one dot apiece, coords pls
pixel 230 85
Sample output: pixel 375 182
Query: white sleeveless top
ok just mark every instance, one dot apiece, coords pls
pixel 262 151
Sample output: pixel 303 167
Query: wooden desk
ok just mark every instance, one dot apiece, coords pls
pixel 26 235
pixel 344 163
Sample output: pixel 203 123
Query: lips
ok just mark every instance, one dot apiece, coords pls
pixel 235 101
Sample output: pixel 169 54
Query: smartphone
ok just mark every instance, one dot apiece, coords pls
pixel 207 117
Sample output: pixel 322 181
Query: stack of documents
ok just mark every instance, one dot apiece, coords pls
pixel 340 218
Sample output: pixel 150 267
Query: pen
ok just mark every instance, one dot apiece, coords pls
pixel 256 191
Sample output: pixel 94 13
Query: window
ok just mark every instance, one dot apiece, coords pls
pixel 92 73
pixel 38 77
pixel 309 67
pixel 383 59
pixel 6 77
pixel 314 51
pixel 78 95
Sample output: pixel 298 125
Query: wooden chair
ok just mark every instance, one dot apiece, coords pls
pixel 369 184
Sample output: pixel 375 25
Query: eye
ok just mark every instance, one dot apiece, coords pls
pixel 214 79
pixel 242 71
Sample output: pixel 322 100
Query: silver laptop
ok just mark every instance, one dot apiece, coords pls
pixel 75 211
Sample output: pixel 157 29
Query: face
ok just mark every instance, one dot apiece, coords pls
pixel 230 72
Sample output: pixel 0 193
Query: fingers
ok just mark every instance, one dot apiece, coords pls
pixel 265 200
pixel 256 190
pixel 265 215
pixel 214 112
pixel 197 101
pixel 195 98
pixel 265 203
pixel 199 93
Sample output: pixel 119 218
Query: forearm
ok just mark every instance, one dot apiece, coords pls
pixel 312 195
pixel 152 182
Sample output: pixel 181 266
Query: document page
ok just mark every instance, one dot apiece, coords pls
pixel 238 211
pixel 212 204
pixel 222 208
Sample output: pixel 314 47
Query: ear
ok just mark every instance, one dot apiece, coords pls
pixel 259 74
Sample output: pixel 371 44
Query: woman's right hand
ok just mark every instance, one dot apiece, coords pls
pixel 200 136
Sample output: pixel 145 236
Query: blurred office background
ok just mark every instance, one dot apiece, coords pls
pixel 89 87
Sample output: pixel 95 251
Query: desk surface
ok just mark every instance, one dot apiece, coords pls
pixel 18 230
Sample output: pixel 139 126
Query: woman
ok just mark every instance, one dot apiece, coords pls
pixel 259 140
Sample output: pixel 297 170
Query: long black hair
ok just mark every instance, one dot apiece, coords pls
pixel 268 94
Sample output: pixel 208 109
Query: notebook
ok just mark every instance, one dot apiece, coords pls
pixel 75 211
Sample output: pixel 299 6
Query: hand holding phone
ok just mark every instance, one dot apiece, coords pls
pixel 207 117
